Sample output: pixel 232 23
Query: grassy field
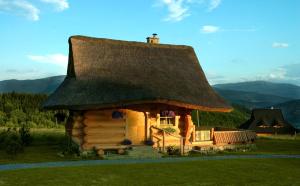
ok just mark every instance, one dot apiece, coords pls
pixel 47 144
pixel 209 172
pixel 274 145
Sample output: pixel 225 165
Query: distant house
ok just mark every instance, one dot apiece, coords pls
pixel 268 121
pixel 122 92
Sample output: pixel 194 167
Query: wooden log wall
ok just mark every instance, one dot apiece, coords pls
pixel 100 129
pixel 74 127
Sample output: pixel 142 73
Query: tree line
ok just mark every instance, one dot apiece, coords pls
pixel 17 109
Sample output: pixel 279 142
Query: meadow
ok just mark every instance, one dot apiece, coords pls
pixel 47 145
pixel 206 172
pixel 48 139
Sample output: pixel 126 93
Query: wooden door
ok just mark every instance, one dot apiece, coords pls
pixel 135 126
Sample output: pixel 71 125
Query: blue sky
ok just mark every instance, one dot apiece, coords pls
pixel 235 40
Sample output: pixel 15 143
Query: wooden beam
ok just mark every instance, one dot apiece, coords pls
pixel 164 133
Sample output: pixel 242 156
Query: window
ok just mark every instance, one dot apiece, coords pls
pixel 167 117
pixel 117 115
pixel 202 135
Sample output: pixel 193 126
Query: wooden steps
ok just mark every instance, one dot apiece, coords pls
pixel 202 143
pixel 101 148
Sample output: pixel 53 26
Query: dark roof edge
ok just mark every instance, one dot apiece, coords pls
pixel 138 43
pixel 132 103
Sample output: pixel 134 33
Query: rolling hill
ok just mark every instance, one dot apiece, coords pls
pixel 251 100
pixel 264 87
pixel 291 111
pixel 257 94
pixel 261 94
pixel 45 85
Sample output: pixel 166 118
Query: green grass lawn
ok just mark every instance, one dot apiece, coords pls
pixel 209 172
pixel 277 146
pixel 271 145
pixel 46 146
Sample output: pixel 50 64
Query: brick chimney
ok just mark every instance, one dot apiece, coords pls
pixel 153 40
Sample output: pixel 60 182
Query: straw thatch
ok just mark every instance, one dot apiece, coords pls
pixel 268 121
pixel 105 73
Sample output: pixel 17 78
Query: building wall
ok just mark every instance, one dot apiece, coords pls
pixel 100 128
pixel 94 128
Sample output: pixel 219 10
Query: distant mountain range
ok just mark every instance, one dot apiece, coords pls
pixel 44 85
pixel 262 94
pixel 251 100
pixel 255 94
pixel 291 111
pixel 264 87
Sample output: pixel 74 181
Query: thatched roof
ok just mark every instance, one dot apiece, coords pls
pixel 105 73
pixel 266 120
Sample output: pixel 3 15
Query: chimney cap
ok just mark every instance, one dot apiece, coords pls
pixel 153 40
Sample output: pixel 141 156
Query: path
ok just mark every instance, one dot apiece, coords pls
pixel 134 161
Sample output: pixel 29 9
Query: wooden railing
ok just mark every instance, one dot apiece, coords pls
pixel 167 121
pixel 160 135
pixel 234 137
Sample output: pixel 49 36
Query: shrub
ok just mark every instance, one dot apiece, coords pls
pixel 10 124
pixel 169 130
pixel 149 142
pixel 172 150
pixel 12 143
pixel 126 142
pixel 2 118
pixel 25 136
pixel 31 124
pixel 69 147
pixel 89 154
pixel 3 135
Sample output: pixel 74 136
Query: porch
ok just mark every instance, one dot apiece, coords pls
pixel 200 138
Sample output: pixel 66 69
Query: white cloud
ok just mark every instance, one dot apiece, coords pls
pixel 57 59
pixel 176 9
pixel 27 9
pixel 280 45
pixel 208 29
pixel 60 5
pixel 289 73
pixel 213 4
pixel 21 8
pixel 180 9
pixel 214 78
pixel 277 74
pixel 284 74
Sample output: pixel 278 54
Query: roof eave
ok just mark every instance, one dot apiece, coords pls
pixel 135 103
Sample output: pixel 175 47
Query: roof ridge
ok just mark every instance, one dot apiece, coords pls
pixel 117 41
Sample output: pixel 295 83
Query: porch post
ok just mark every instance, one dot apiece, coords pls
pixel 188 127
pixel 163 147
pixel 147 126
pixel 198 118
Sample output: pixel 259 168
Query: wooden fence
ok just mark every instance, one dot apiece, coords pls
pixel 233 137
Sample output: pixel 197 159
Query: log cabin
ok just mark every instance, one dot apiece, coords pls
pixel 122 93
pixel 268 122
